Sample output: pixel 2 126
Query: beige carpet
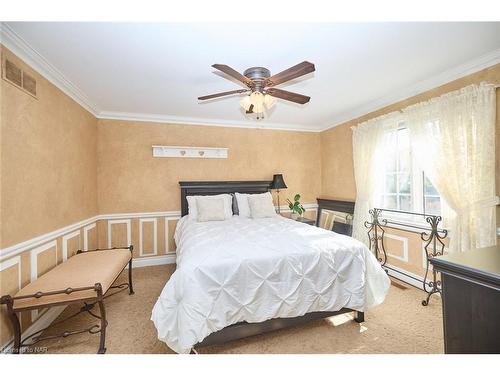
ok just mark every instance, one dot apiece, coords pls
pixel 400 325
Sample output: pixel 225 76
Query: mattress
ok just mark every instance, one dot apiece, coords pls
pixel 257 269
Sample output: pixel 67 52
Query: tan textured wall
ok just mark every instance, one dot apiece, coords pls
pixel 131 180
pixel 336 143
pixel 48 160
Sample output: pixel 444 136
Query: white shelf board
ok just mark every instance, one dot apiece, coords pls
pixel 189 152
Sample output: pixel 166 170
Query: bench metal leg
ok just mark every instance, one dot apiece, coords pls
pixel 104 323
pixel 130 286
pixel 360 317
pixel 14 320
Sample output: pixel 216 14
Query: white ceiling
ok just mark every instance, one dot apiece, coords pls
pixel 157 71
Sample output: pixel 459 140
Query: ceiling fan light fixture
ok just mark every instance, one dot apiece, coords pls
pixel 246 103
pixel 257 98
pixel 259 81
pixel 269 101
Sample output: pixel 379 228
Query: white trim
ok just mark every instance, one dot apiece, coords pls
pixel 154 261
pixel 12 262
pixel 43 322
pixel 404 276
pixel 21 247
pixel 34 266
pixel 167 219
pixel 34 257
pixel 404 240
pixel 155 234
pixel 139 215
pixel 196 121
pixel 86 230
pixel 36 61
pixel 65 240
pixel 447 76
pixel 112 222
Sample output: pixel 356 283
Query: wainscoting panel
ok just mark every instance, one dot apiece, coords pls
pixel 148 237
pixel 90 237
pixel 42 259
pixel 70 244
pixel 170 224
pixel 10 283
pixel 396 247
pixel 405 252
pixel 119 233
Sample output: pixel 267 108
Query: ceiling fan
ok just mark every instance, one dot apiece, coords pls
pixel 260 84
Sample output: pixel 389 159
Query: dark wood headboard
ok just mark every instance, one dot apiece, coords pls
pixel 219 187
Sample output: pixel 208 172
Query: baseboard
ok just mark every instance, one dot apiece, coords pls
pixel 41 323
pixel 405 276
pixel 154 261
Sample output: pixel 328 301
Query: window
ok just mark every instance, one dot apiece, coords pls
pixel 431 198
pixel 398 177
pixel 405 186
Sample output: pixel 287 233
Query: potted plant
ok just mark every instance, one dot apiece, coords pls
pixel 296 207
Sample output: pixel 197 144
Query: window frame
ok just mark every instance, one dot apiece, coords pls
pixel 417 194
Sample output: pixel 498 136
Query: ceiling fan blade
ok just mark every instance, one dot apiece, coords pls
pixel 287 95
pixel 250 110
pixel 296 71
pixel 222 94
pixel 233 73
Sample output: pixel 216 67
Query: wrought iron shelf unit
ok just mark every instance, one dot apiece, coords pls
pixel 431 235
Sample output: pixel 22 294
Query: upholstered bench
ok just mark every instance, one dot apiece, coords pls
pixel 84 278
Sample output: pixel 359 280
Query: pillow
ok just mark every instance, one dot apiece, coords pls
pixel 261 205
pixel 211 209
pixel 242 202
pixel 193 209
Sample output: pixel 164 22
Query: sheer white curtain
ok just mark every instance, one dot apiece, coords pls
pixel 453 140
pixel 369 141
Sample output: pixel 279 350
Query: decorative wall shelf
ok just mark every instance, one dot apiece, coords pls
pixel 189 152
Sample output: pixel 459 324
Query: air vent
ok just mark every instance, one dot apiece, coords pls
pixel 19 78
pixel 13 73
pixel 29 83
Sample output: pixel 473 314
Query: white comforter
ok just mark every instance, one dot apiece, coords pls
pixel 257 269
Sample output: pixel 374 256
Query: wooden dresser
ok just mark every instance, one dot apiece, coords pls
pixel 471 300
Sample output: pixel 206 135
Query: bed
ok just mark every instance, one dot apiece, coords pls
pixel 242 276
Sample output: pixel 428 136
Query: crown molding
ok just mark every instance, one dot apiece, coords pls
pixel 35 60
pixel 29 55
pixel 472 66
pixel 179 120
pixel 10 39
